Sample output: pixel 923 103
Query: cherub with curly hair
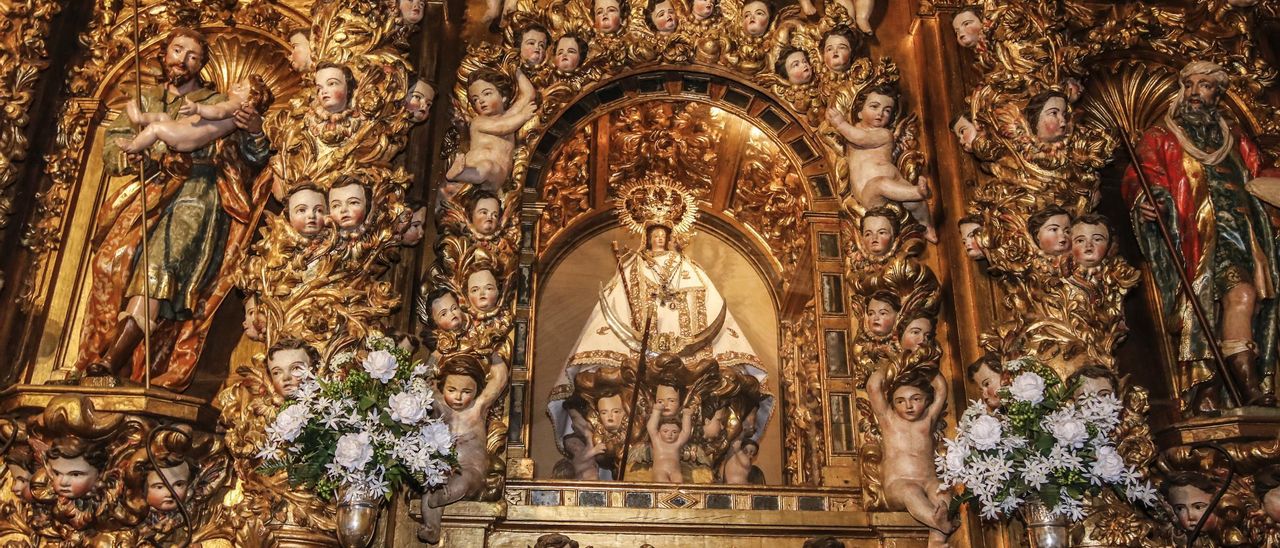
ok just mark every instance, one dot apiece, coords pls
pixel 493 130
pixel 869 143
pixel 906 409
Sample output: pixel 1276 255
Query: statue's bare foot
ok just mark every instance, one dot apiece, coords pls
pixel 429 534
pixel 942 519
pixel 492 9
pixel 938 540
pixel 126 145
pixel 925 191
pixel 864 23
pixel 931 234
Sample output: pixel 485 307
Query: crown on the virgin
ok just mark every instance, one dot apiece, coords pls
pixel 656 200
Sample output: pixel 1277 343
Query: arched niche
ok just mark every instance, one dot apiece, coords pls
pixel 766 201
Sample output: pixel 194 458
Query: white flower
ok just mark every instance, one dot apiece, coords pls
pixel 1069 430
pixel 1141 491
pixel 1035 471
pixel 985 432
pixel 1108 465
pixel 290 422
pixel 420 369
pixel 436 437
pixel 380 365
pixel 406 408
pixel 1028 387
pixel 956 456
pixel 354 451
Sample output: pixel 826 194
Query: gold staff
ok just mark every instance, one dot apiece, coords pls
pixel 640 366
pixel 142 196
pixel 1233 391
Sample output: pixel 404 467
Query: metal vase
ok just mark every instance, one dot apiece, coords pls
pixel 1043 529
pixel 357 519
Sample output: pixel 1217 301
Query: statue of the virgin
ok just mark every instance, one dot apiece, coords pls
pixel 659 289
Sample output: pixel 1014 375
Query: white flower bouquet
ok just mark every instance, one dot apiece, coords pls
pixel 364 432
pixel 1042 445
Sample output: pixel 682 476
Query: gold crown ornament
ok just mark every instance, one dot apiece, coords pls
pixel 656 200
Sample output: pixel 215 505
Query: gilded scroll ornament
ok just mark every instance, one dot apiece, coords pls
pixel 23 56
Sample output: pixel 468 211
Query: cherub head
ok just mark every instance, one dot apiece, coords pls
pixel 837 48
pixel 661 16
pixel 876 107
pixel 911 394
pixel 669 429
pixel 411 11
pixel 461 377
pixel 657 238
pixel 253 92
pixel 986 374
pixel 444 312
pixel 1048 116
pixel 1271 502
pixel 612 415
pixel 533 45
pixel 255 322
pixel 918 329
pixel 73 465
pixel 1190 494
pixel 1090 240
pixel 418 103
pixel 755 17
pixel 287 362
pixel 485 211
pixel 20 463
pixel 348 204
pixel 411 222
pixel 158 496
pixel 334 86
pixel 571 49
pixel 878 230
pixel 300 56
pixel 705 9
pixel 713 423
pixel 489 92
pixel 306 209
pixel 966 132
pixel 882 313
pixel 793 65
pixel 968 26
pixel 969 225
pixel 667 400
pixel 1096 380
pixel 608 15
pixel 482 290
pixel 1051 229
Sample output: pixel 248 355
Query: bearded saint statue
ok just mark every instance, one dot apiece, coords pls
pixel 198 215
pixel 1198 165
